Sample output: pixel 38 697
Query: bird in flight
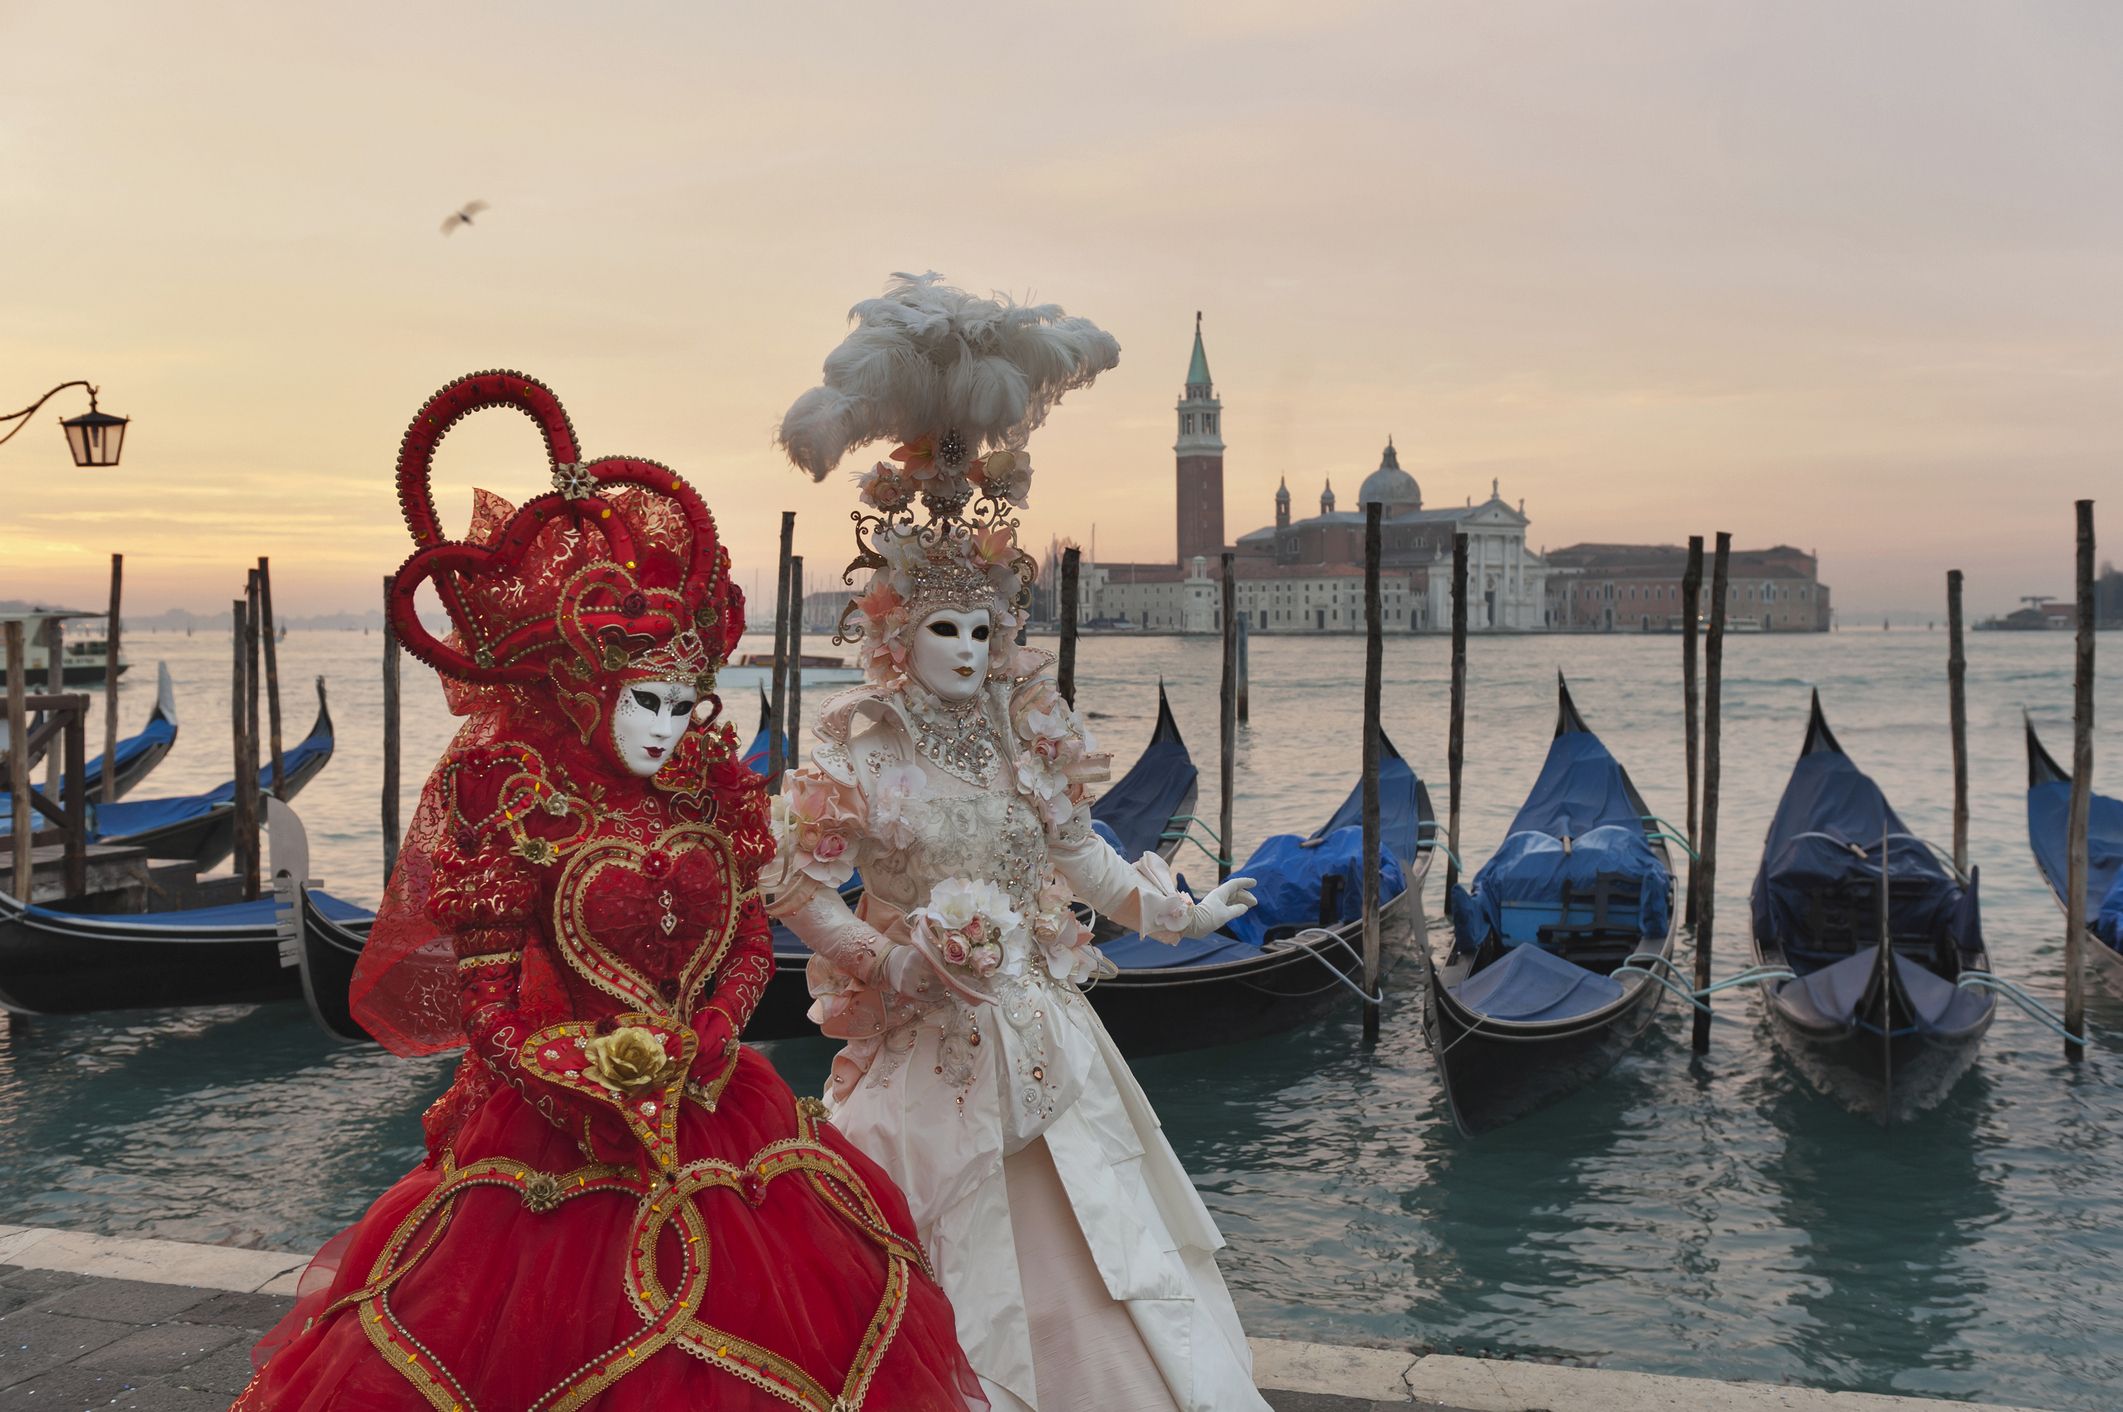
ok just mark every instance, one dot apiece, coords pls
pixel 462 216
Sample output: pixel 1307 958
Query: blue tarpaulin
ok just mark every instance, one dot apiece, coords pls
pixel 2048 817
pixel 121 819
pixel 1833 994
pixel 1823 851
pixel 258 912
pixel 1582 796
pixel 1528 984
pixel 1290 875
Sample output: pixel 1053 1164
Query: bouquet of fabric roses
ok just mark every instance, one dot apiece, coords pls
pixel 971 927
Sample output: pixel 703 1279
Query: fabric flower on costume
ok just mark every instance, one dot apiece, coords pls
pixel 885 487
pixel 971 925
pixel 1062 939
pixel 627 1059
pixel 895 804
pixel 1007 475
pixel 994 545
pixel 815 819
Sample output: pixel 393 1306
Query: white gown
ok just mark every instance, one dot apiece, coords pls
pixel 1078 1257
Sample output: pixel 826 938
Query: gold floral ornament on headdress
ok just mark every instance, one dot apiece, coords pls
pixel 959 382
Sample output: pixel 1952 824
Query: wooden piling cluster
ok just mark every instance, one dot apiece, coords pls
pixel 1703 877
pixel 64 799
pixel 1374 672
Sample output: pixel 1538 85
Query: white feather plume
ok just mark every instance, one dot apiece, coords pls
pixel 924 359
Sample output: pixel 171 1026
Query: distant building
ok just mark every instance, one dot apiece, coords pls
pixel 1200 453
pixel 1637 588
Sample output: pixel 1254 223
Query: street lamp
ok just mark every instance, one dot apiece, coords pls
pixel 95 438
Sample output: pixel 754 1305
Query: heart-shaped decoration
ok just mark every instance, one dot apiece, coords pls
pixel 712 913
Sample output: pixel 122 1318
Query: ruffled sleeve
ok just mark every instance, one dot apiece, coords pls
pixel 1057 758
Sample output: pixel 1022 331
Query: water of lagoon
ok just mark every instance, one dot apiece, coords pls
pixel 1710 1217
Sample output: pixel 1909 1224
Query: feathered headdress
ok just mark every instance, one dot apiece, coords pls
pixel 960 382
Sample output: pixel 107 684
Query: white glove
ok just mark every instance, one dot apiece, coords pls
pixel 1231 900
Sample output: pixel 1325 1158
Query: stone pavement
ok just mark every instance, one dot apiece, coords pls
pixel 161 1326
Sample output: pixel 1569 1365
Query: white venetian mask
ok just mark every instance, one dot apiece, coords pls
pixel 950 652
pixel 647 721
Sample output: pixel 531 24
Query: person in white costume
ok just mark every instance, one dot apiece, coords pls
pixel 1077 1255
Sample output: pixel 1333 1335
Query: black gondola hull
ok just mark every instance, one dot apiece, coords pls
pixel 1495 1073
pixel 48 970
pixel 328 951
pixel 1871 1075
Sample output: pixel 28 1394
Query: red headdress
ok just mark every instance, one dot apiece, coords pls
pixel 616 575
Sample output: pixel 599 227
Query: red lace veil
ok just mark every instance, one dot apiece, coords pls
pixel 615 575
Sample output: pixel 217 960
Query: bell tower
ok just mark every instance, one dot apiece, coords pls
pixel 1200 452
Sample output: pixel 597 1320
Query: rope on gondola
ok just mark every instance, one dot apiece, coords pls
pixel 1440 846
pixel 1670 833
pixel 1303 943
pixel 1984 980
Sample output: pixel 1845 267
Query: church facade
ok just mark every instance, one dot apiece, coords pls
pixel 1307 575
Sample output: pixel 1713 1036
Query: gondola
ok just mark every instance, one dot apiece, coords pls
pixel 1138 814
pixel 2048 818
pixel 1299 953
pixel 326 936
pixel 140 754
pixel 137 754
pixel 201 828
pixel 69 963
pixel 1874 1016
pixel 1533 1000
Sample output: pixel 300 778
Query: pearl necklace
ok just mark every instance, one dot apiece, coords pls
pixel 957 739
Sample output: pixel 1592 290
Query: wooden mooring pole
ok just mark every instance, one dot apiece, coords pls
pixel 1374 670
pixel 1245 670
pixel 390 739
pixel 1957 718
pixel 272 675
pixel 18 755
pixel 1227 717
pixel 2082 777
pixel 253 733
pixel 108 789
pixel 55 683
pixel 1704 876
pixel 795 658
pixel 778 699
pixel 1065 670
pixel 1456 743
pixel 1691 705
pixel 246 813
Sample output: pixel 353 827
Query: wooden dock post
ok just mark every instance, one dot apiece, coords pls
pixel 1691 705
pixel 390 738
pixel 1245 670
pixel 272 675
pixel 1065 669
pixel 1704 876
pixel 2082 781
pixel 18 754
pixel 75 799
pixel 1227 716
pixel 108 790
pixel 795 658
pixel 253 733
pixel 778 700
pixel 1957 718
pixel 1374 671
pixel 246 814
pixel 55 684
pixel 1457 742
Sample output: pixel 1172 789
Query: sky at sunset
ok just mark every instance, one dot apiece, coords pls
pixel 1843 275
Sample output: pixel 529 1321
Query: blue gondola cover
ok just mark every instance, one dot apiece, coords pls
pixel 1582 796
pixel 2048 816
pixel 1824 846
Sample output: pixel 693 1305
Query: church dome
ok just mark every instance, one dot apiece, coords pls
pixel 1391 486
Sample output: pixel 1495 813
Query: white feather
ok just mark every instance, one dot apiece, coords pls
pixel 925 358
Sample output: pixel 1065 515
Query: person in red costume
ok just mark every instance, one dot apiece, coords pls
pixel 622 1206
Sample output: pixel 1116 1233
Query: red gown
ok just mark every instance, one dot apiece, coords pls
pixel 703 1241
